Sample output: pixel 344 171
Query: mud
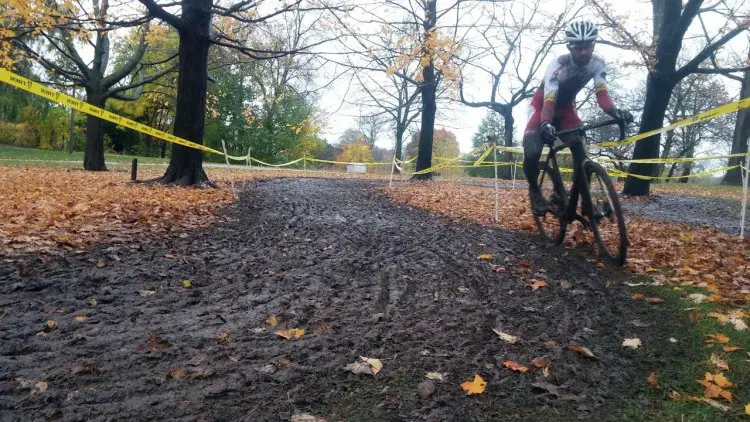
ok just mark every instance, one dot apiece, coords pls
pixel 362 277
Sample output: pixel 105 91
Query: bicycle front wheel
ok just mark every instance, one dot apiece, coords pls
pixel 552 224
pixel 607 220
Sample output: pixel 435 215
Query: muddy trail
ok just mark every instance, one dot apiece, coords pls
pixel 362 277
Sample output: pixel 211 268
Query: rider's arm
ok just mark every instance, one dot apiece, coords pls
pixel 551 86
pixel 600 85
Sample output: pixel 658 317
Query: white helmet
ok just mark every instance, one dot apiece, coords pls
pixel 582 31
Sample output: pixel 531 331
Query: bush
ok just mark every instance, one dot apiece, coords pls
pixel 8 133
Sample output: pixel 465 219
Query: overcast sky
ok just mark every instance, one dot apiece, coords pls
pixel 464 121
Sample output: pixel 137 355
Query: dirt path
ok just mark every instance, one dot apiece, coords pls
pixel 363 278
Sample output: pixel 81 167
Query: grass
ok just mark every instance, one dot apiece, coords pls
pixel 11 155
pixel 687 361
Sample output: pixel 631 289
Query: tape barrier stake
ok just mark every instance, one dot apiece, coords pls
pixel 494 158
pixel 744 195
pixel 393 168
pixel 229 167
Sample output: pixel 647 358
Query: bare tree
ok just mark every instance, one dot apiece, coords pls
pixel 514 69
pixel 741 136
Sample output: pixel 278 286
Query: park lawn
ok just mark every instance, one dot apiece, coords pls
pixel 10 155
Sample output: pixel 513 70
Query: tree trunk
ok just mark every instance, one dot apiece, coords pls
pixel 672 168
pixel 429 107
pixel 740 139
pixel 658 92
pixel 506 171
pixel 666 150
pixel 93 156
pixel 186 164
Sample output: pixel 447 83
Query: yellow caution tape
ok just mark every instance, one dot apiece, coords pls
pixel 618 173
pixel 447 163
pixel 483 156
pixel 672 160
pixel 698 118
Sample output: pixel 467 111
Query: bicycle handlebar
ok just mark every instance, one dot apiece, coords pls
pixel 581 129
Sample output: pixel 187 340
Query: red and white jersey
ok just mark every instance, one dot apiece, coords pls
pixel 564 79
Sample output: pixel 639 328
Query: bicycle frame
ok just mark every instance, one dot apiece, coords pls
pixel 580 186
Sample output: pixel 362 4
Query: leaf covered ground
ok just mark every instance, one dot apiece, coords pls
pixel 320 297
pixel 670 252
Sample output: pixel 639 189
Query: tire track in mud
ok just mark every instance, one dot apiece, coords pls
pixel 361 275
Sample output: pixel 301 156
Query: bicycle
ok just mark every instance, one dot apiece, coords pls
pixel 600 207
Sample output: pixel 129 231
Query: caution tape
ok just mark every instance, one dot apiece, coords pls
pixel 618 173
pixel 84 107
pixel 698 118
pixel 671 160
pixel 447 163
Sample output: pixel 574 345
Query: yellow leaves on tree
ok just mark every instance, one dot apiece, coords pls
pixel 355 153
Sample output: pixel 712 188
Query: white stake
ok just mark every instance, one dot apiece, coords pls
pixel 494 155
pixel 393 167
pixel 744 194
pixel 231 179
pixel 515 169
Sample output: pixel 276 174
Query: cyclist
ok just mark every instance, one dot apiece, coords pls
pixel 554 102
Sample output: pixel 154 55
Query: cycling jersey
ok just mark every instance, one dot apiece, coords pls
pixel 562 82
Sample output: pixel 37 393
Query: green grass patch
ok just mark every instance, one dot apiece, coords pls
pixel 10 155
pixel 687 360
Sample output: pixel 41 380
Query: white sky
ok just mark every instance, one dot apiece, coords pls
pixel 464 120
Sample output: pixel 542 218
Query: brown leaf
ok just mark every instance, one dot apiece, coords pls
pixel 541 362
pixel 291 333
pixel 652 379
pixel 515 366
pixel 272 321
pixel 536 284
pixel 717 338
pixel 485 257
pixel 223 337
pixel 100 263
pixel 729 349
pixel 581 349
pixel 719 363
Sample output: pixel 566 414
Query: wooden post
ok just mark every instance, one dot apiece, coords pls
pixel 134 171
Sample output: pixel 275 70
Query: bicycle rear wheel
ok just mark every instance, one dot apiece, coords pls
pixel 552 224
pixel 607 221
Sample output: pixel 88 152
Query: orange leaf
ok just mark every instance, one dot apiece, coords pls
pixel 674 395
pixel 272 320
pixel 639 296
pixel 712 390
pixel 722 381
pixel 652 379
pixel 292 333
pixel 729 349
pixel 717 338
pixel 515 366
pixel 474 387
pixel 536 284
pixel 485 257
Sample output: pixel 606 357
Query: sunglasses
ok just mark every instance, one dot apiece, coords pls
pixel 581 47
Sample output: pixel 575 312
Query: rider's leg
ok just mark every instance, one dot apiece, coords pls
pixel 532 151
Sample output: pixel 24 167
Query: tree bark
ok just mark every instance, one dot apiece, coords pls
pixel 186 164
pixel 506 171
pixel 429 106
pixel 658 92
pixel 93 156
pixel 400 130
pixel 740 138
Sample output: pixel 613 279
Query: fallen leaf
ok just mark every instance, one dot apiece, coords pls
pixel 375 364
pixel 506 337
pixel 721 317
pixel 722 381
pixel 581 349
pixel 175 373
pixel 541 362
pixel 654 300
pixel 536 284
pixel 719 363
pixel 738 324
pixel 485 257
pixel 498 269
pixel 638 296
pixel 187 284
pixel 717 338
pixel 146 293
pixel 285 362
pixel 437 376
pixel 272 321
pixel 712 403
pixel 474 387
pixel 223 337
pixel 51 324
pixel 291 333
pixel 674 395
pixel 35 386
pixel 652 379
pixel 305 417
pixel 730 349
pixel 100 263
pixel 515 366
pixel 169 256
pixel 633 343
pixel 81 318
pixel 545 371
pixel 747 409
pixel 697 297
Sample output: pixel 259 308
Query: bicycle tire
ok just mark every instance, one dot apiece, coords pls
pixel 552 224
pixel 608 221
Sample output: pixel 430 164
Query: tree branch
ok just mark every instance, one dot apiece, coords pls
pixel 158 12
